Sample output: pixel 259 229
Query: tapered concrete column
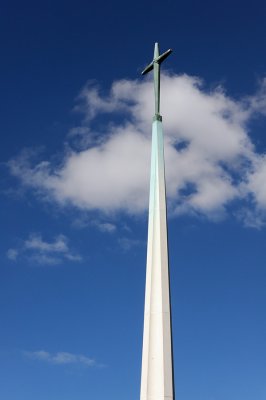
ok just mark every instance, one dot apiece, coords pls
pixel 157 381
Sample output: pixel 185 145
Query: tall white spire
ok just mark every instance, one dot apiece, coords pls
pixel 157 380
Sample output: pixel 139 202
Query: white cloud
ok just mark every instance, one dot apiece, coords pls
pixel 207 148
pixel 60 358
pixel 36 250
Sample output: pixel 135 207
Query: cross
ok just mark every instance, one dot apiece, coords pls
pixel 155 65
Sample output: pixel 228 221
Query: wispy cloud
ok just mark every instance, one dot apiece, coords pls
pixel 37 250
pixel 106 227
pixel 60 358
pixel 12 254
pixel 85 221
pixel 35 242
pixel 211 161
pixel 127 244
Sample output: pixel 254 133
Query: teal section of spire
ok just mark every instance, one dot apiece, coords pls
pixel 157 178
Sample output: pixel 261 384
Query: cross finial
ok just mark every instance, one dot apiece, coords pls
pixel 155 65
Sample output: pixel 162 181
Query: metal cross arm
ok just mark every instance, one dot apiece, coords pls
pixel 158 60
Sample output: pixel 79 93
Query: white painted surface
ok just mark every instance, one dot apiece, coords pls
pixel 157 369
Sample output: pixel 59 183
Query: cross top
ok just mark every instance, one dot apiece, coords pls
pixel 155 65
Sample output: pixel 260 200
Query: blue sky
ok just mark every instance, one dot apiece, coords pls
pixel 76 128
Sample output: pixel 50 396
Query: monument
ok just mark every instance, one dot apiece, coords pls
pixel 157 377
